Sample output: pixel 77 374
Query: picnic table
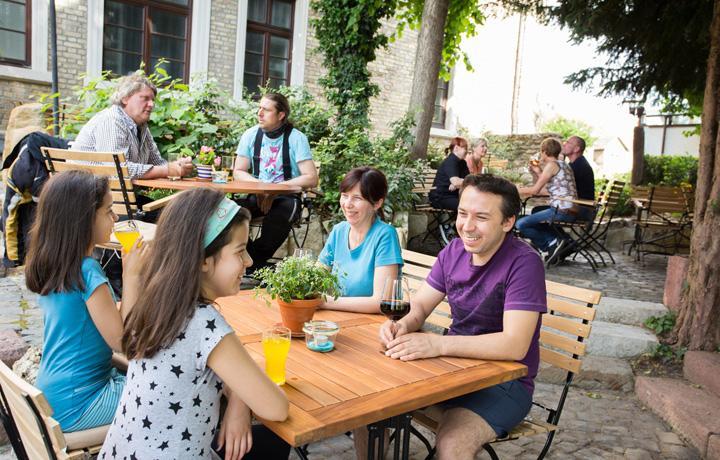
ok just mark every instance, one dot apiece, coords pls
pixel 230 187
pixel 356 384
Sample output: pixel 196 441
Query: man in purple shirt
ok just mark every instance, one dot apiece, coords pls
pixel 495 284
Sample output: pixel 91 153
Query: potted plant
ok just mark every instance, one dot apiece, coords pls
pixel 205 161
pixel 300 285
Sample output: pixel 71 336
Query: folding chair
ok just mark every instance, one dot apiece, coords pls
pixel 440 221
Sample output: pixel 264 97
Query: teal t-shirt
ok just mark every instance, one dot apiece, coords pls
pixel 75 363
pixel 356 268
pixel 271 160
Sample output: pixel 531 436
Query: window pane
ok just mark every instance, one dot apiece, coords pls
pixel 438 115
pixel 123 39
pixel 171 48
pixel 12 16
pixel 12 45
pixel 251 82
pixel 278 68
pixel 168 23
pixel 253 63
pixel 124 14
pixel 174 68
pixel 275 83
pixel 281 14
pixel 121 63
pixel 279 47
pixel 255 42
pixel 176 2
pixel 257 10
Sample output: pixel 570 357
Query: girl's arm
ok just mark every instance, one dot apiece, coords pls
pixel 106 316
pixel 365 304
pixel 132 262
pixel 232 363
pixel 548 172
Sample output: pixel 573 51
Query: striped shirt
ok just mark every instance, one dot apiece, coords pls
pixel 112 130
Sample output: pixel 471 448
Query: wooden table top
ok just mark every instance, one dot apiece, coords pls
pixel 355 384
pixel 230 187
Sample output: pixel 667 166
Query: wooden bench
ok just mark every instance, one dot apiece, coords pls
pixel 34 434
pixel 565 328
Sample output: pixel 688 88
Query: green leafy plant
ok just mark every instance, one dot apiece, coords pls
pixel 667 352
pixel 567 127
pixel 297 278
pixel 670 170
pixel 207 156
pixel 661 324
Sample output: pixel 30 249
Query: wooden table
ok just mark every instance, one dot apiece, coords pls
pixel 230 187
pixel 355 384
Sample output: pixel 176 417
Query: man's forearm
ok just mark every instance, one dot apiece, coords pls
pixel 304 181
pixel 486 346
pixel 244 176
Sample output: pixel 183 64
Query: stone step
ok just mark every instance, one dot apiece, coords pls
pixel 598 372
pixel 692 412
pixel 625 311
pixel 703 368
pixel 619 340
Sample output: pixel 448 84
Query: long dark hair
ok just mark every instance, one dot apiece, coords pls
pixel 373 185
pixel 171 278
pixel 62 232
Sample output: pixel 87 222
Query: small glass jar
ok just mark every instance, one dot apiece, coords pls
pixel 320 335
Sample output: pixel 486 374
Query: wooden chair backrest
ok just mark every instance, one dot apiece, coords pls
pixel 111 164
pixel 665 199
pixel 564 328
pixel 31 414
pixel 424 183
pixel 612 194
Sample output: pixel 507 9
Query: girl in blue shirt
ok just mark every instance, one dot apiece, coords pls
pixel 82 322
pixel 363 250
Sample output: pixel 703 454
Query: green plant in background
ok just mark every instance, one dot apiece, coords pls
pixel 297 278
pixel 661 324
pixel 667 352
pixel 347 148
pixel 673 170
pixel 567 127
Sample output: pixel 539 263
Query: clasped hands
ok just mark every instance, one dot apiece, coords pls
pixel 407 346
pixel 181 167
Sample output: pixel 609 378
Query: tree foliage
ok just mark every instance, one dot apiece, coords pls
pixel 567 127
pixel 463 20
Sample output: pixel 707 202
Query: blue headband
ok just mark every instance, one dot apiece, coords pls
pixel 219 219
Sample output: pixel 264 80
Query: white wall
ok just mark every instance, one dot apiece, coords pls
pixel 676 143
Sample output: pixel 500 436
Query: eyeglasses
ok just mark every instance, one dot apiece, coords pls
pixel 354 199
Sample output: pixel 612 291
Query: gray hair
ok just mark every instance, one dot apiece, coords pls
pixel 479 140
pixel 129 85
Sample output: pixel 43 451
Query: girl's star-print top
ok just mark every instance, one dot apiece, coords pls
pixel 170 406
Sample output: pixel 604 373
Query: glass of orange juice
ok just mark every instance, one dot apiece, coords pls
pixel 126 232
pixel 276 346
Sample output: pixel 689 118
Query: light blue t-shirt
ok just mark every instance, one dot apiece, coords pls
pixel 356 268
pixel 271 159
pixel 75 364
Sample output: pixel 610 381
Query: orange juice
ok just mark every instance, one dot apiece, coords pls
pixel 127 238
pixel 276 350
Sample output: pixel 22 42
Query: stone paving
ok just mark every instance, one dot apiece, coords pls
pixel 597 424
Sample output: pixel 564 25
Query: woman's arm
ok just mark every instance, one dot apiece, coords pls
pixel 232 363
pixel 365 304
pixel 548 172
pixel 106 316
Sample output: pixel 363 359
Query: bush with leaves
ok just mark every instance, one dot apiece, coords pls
pixel 670 170
pixel 567 127
pixel 348 148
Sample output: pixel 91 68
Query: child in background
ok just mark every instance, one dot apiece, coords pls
pixel 82 322
pixel 182 352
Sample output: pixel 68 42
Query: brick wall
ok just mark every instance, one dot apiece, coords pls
pixel 71 44
pixel 14 93
pixel 223 34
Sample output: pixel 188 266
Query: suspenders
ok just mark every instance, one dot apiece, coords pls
pixel 287 168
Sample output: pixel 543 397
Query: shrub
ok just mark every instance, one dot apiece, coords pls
pixel 670 170
pixel 567 127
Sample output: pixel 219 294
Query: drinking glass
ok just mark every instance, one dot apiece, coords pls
pixel 276 346
pixel 395 300
pixel 301 252
pixel 172 157
pixel 228 163
pixel 126 232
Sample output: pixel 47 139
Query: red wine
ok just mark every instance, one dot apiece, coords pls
pixel 394 309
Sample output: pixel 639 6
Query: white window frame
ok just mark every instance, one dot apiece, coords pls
pixel 199 44
pixel 299 43
pixel 38 71
pixel 450 129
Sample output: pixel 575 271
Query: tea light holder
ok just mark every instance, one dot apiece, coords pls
pixel 320 335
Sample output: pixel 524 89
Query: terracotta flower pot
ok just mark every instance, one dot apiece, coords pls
pixel 296 313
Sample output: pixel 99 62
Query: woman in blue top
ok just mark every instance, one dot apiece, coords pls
pixel 83 324
pixel 363 250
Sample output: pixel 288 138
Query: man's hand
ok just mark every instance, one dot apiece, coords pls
pixel 235 430
pixel 264 202
pixel 390 330
pixel 415 346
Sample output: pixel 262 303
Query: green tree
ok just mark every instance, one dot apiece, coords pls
pixel 567 127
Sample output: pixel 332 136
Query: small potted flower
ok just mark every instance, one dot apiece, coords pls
pixel 300 285
pixel 205 161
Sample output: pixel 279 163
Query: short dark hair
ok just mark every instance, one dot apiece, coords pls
pixel 373 184
pixel 580 143
pixel 281 103
pixel 551 147
pixel 496 185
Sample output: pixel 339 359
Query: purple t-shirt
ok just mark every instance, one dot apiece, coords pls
pixel 513 279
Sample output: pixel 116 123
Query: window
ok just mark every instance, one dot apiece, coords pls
pixel 15 32
pixel 440 111
pixel 148 31
pixel 268 43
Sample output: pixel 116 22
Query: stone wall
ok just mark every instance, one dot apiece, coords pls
pixel 517 149
pixel 223 36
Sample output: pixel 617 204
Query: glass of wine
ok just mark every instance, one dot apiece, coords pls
pixel 228 163
pixel 395 301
